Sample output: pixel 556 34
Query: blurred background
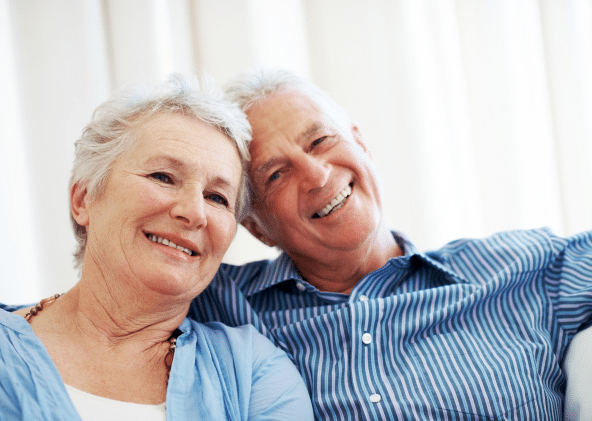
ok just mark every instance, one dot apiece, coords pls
pixel 478 113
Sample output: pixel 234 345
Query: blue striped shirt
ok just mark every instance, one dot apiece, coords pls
pixel 475 330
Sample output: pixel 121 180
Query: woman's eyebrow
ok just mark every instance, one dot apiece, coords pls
pixel 167 160
pixel 173 162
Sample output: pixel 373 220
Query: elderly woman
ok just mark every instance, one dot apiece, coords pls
pixel 155 193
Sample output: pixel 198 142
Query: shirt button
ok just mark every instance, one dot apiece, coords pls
pixel 363 298
pixel 375 398
pixel 300 286
pixel 367 338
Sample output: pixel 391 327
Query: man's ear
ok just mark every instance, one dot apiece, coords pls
pixel 357 135
pixel 253 227
pixel 79 204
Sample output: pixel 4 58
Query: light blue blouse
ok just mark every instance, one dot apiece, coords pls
pixel 218 373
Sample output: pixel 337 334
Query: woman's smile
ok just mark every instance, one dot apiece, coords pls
pixel 161 240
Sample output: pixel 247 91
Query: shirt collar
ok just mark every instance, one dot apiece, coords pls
pixel 282 269
pixel 277 271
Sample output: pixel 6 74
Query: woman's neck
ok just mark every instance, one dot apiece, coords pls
pixel 110 344
pixel 116 315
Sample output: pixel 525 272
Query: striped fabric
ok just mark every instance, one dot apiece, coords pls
pixel 474 331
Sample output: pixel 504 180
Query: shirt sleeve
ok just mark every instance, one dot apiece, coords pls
pixel 568 280
pixel 278 391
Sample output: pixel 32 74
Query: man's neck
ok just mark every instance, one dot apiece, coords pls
pixel 342 272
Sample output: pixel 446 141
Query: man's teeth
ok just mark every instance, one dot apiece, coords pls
pixel 336 203
pixel 156 239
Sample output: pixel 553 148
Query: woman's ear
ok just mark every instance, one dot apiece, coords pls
pixel 253 227
pixel 79 204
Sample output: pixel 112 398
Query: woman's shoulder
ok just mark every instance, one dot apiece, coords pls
pixel 241 346
pixel 12 322
pixel 12 307
pixel 220 334
pixel 268 379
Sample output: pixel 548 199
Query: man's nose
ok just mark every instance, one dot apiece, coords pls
pixel 190 208
pixel 315 172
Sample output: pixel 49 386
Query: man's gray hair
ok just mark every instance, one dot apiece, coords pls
pixel 111 132
pixel 253 87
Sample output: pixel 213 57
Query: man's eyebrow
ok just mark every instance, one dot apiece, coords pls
pixel 312 129
pixel 263 168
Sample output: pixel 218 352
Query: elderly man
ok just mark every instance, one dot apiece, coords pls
pixel 378 329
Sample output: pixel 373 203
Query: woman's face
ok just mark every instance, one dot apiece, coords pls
pixel 177 185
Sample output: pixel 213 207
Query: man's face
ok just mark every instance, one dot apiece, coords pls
pixel 316 192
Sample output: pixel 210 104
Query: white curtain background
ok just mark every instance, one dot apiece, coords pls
pixel 478 113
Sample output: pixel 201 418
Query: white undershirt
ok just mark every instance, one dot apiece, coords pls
pixel 97 408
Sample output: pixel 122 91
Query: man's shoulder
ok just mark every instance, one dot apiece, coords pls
pixel 532 249
pixel 536 241
pixel 242 275
pixel 514 239
pixel 225 298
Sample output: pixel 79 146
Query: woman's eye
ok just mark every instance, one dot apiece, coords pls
pixel 162 177
pixel 218 199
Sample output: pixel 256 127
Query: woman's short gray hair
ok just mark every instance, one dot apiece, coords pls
pixel 109 133
pixel 253 87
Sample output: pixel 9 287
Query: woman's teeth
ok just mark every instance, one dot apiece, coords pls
pixel 156 239
pixel 335 204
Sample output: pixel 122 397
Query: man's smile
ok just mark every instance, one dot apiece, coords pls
pixel 335 203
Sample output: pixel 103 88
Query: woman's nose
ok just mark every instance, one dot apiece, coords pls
pixel 190 208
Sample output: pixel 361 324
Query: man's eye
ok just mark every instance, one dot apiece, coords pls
pixel 317 141
pixel 218 199
pixel 162 177
pixel 273 177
